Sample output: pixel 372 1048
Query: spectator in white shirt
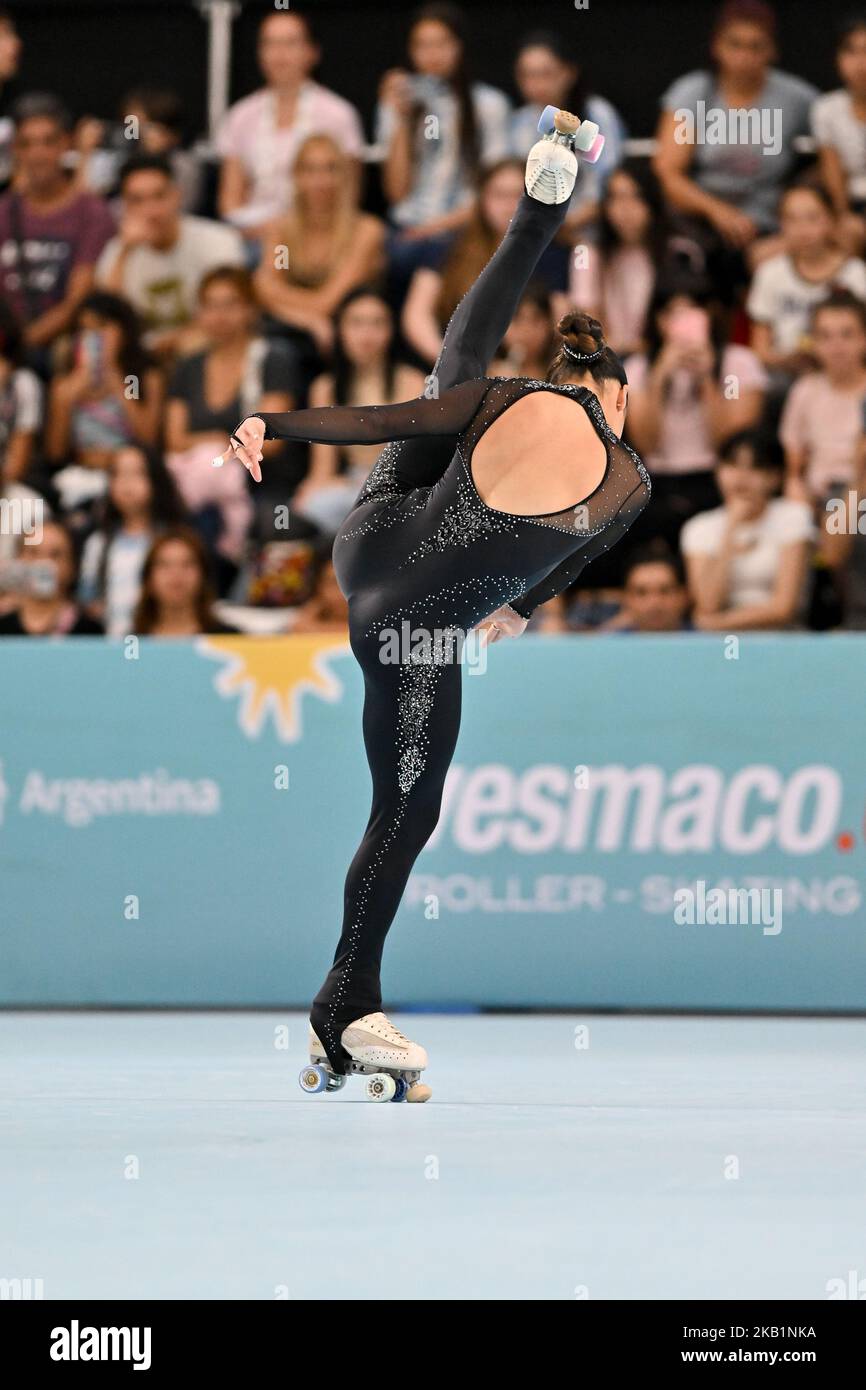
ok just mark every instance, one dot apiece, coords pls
pixel 839 128
pixel 747 560
pixel 787 287
pixel 160 255
pixel 438 129
pixel 260 135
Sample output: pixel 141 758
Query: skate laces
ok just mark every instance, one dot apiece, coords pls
pixel 395 1032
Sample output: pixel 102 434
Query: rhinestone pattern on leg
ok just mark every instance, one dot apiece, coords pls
pixel 418 680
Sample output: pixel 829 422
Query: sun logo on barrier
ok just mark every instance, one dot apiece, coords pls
pixel 272 675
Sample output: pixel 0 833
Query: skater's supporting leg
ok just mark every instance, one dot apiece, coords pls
pixel 408 763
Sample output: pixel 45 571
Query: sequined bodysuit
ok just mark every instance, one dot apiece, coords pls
pixel 422 559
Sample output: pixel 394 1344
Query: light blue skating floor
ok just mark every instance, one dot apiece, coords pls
pixel 669 1158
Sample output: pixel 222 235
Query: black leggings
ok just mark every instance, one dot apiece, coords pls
pixel 412 714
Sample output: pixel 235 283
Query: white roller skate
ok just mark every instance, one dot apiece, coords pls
pixel 390 1062
pixel 551 167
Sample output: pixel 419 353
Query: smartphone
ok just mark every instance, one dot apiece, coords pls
pixel 90 352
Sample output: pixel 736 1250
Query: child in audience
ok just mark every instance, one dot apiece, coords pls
pixel 822 419
pixel 438 130
pixel 787 287
pixel 747 559
pixel 546 73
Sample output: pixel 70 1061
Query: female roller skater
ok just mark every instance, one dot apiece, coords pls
pixel 490 497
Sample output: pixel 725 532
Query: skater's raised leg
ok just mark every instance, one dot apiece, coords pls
pixel 479 323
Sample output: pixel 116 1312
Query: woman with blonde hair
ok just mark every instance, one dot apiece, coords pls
pixel 325 246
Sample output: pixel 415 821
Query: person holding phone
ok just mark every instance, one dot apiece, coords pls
pixel 438 129
pixel 690 392
pixel 112 393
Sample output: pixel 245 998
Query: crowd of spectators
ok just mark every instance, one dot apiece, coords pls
pixel 147 305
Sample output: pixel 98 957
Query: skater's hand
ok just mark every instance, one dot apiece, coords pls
pixel 505 622
pixel 246 447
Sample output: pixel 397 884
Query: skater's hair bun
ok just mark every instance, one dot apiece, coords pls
pixel 583 352
pixel 581 333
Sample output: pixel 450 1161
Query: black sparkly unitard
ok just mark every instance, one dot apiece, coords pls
pixel 421 547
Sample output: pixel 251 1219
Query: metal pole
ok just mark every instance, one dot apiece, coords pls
pixel 219 15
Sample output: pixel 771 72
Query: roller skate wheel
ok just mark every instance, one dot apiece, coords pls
pixel 335 1082
pixel 593 155
pixel 566 124
pixel 586 136
pixel 546 120
pixel 402 1088
pixel 418 1093
pixel 313 1079
pixel 380 1086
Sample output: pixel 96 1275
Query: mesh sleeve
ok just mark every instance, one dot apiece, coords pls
pixel 447 414
pixel 572 567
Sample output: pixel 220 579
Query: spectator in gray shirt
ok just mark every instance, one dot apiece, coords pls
pixel 726 140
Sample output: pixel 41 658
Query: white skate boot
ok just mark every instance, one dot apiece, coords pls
pixel 551 167
pixel 391 1063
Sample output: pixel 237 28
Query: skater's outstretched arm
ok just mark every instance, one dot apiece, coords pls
pixel 448 414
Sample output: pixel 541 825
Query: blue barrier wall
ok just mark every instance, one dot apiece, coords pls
pixel 152 853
